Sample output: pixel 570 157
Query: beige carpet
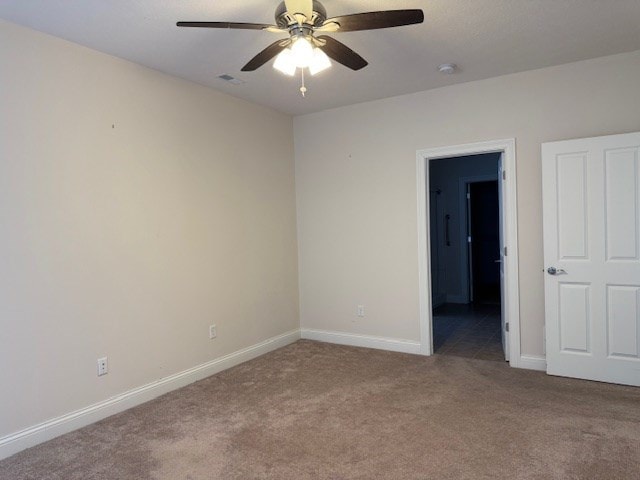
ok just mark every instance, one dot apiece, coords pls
pixel 319 411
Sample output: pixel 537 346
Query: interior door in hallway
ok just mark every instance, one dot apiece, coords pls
pixel 484 231
pixel 591 217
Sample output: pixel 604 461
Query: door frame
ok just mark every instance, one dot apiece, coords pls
pixel 465 264
pixel 511 302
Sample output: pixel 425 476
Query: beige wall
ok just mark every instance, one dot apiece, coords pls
pixel 136 209
pixel 356 184
pixel 129 241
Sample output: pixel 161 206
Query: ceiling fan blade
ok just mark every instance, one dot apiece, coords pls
pixel 234 25
pixel 265 55
pixel 375 20
pixel 303 7
pixel 329 27
pixel 274 29
pixel 341 53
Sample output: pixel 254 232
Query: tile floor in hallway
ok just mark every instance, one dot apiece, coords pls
pixel 472 331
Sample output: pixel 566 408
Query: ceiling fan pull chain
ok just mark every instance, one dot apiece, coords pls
pixel 303 89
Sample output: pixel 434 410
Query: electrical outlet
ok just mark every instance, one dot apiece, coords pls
pixel 103 366
pixel 213 332
pixel 361 310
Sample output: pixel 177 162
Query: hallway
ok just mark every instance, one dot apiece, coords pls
pixel 468 330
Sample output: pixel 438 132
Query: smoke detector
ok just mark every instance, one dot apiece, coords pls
pixel 447 68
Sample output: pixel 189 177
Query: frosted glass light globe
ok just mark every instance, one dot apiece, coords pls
pixel 320 62
pixel 302 52
pixel 285 62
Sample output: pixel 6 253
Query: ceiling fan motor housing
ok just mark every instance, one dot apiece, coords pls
pixel 286 21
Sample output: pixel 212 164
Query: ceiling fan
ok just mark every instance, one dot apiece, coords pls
pixel 301 20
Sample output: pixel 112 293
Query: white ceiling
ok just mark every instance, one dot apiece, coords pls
pixel 486 38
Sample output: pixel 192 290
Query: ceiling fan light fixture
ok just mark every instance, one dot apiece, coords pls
pixel 302 51
pixel 300 19
pixel 319 62
pixel 285 63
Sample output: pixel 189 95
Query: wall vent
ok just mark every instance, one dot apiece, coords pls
pixel 228 78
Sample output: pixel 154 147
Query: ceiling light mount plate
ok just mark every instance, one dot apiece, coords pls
pixel 447 68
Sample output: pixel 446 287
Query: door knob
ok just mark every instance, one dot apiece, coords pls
pixel 555 271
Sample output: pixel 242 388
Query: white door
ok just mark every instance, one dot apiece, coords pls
pixel 591 216
pixel 503 292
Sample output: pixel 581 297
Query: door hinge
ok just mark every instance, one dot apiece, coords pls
pixel 506 326
pixel 505 251
pixel 504 174
pixel 468 196
pixel 468 239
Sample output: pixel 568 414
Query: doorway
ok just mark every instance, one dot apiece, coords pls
pixel 465 252
pixel 446 286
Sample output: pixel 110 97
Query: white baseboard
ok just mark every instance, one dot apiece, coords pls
pixel 533 362
pixel 15 442
pixel 357 340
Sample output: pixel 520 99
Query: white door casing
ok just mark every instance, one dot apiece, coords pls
pixel 503 287
pixel 591 215
pixel 511 300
